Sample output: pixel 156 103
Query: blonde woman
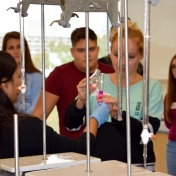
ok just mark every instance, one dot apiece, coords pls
pixel 111 138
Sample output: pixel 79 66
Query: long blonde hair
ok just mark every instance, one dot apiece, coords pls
pixel 171 91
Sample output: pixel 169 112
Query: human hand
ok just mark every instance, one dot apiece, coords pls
pixel 111 103
pixel 81 88
pixel 101 113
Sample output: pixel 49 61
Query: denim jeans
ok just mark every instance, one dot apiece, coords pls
pixel 171 157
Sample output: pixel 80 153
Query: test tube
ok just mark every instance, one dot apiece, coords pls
pixel 101 83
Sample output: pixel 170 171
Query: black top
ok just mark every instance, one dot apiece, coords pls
pixel 31 140
pixel 111 137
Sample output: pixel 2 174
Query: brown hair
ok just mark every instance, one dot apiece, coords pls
pixel 29 66
pixel 134 33
pixel 80 33
pixel 171 90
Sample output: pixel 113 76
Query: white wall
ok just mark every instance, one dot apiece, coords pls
pixel 163 33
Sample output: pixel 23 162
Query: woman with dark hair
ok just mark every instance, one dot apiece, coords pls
pixel 11 44
pixel 170 117
pixel 31 128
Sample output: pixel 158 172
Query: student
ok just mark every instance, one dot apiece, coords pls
pixel 31 128
pixel 11 44
pixel 112 136
pixel 170 117
pixel 62 81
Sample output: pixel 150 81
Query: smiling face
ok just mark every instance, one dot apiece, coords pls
pixel 13 48
pixel 79 53
pixel 12 86
pixel 134 56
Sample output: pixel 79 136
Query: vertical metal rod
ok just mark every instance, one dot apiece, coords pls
pixel 107 37
pixel 87 92
pixel 120 63
pixel 22 58
pixel 43 74
pixel 127 91
pixel 146 60
pixel 16 147
pixel 146 72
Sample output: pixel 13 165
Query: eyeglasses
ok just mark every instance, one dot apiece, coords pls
pixel 173 67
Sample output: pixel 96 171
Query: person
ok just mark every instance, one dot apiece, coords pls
pixel 170 118
pixel 107 60
pixel 111 137
pixel 31 128
pixel 11 44
pixel 62 81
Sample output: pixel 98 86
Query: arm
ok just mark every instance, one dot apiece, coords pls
pixel 59 143
pixel 76 112
pixel 74 117
pixel 36 86
pixel 51 101
pixel 31 143
pixel 168 125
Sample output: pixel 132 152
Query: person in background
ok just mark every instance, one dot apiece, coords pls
pixel 170 117
pixel 62 81
pixel 31 128
pixel 11 44
pixel 111 137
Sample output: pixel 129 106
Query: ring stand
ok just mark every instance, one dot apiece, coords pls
pixel 33 163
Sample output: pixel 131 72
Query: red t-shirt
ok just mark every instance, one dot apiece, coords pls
pixel 62 82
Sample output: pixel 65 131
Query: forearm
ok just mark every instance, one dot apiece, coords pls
pixel 74 117
pixel 93 126
pixel 79 103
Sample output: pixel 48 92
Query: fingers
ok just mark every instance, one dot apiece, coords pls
pixel 111 101
pixel 93 82
pixel 81 87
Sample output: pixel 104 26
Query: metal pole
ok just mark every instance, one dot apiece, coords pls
pixel 87 93
pixel 16 147
pixel 107 37
pixel 43 74
pixel 120 62
pixel 22 58
pixel 127 91
pixel 146 71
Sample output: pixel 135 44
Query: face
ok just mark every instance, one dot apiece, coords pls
pixel 79 54
pixel 13 48
pixel 12 86
pixel 173 67
pixel 134 56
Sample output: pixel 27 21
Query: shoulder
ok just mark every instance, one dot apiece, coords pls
pixel 31 123
pixel 64 66
pixel 34 75
pixel 155 84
